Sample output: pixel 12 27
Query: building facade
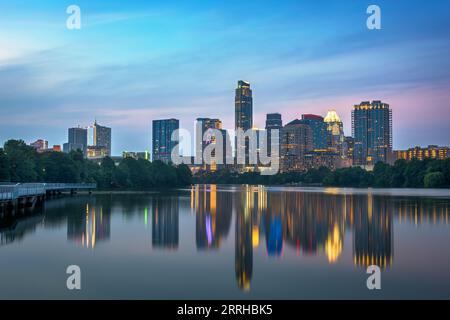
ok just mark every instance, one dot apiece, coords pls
pixel 243 106
pixel 372 133
pixel 145 155
pixel 420 153
pixel 319 130
pixel 162 144
pixel 207 125
pixel 77 140
pixel 296 140
pixel 273 122
pixel 335 132
pixel 40 145
pixel 102 138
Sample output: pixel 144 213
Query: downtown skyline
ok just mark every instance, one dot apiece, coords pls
pixel 188 68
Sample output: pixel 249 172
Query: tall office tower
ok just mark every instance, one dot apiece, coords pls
pixel 319 130
pixel 348 147
pixel 372 132
pixel 335 130
pixel 243 106
pixel 162 144
pixel 102 137
pixel 243 115
pixel 296 140
pixel 273 121
pixel 77 140
pixel 207 125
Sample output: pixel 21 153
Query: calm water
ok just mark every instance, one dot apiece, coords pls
pixel 231 242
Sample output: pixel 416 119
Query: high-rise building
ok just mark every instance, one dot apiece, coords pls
pixel 296 140
pixel 319 130
pixel 348 147
pixel 335 135
pixel 102 137
pixel 273 122
pixel 243 106
pixel 162 144
pixel 243 113
pixel 77 140
pixel 372 133
pixel 207 126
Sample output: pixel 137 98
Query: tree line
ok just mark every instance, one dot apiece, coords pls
pixel 22 163
pixel 403 174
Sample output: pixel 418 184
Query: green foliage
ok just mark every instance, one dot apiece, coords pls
pixel 21 163
pixel 434 180
pixel 413 174
pixel 4 167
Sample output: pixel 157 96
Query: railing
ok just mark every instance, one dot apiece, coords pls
pixel 11 191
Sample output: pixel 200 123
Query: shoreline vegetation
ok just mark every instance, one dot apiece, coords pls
pixel 21 163
pixel 403 174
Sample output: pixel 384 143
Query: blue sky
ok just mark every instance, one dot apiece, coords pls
pixel 135 61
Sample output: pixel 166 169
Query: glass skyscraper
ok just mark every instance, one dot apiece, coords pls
pixel 273 121
pixel 243 106
pixel 319 130
pixel 372 133
pixel 77 140
pixel 162 144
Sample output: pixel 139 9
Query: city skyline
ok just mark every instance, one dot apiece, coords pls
pixel 329 60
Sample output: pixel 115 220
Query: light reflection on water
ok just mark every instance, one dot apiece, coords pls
pixel 283 242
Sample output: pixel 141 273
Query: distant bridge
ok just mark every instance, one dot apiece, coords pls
pixel 19 195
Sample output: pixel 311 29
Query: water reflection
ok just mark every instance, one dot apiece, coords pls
pixel 272 221
pixel 90 228
pixel 165 215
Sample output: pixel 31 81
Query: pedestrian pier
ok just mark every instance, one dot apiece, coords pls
pixel 15 196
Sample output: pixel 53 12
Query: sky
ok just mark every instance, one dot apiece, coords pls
pixel 135 61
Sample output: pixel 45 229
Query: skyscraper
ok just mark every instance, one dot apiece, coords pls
pixel 243 106
pixel 296 141
pixel 273 122
pixel 162 144
pixel 102 137
pixel 207 125
pixel 319 130
pixel 372 133
pixel 335 130
pixel 77 140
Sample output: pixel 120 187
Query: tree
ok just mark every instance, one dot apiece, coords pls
pixel 184 175
pixel 21 159
pixel 434 180
pixel 4 167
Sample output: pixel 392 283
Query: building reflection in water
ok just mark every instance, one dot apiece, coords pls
pixel 165 226
pixel 245 209
pixel 212 221
pixel 373 235
pixel 309 223
pixel 91 227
